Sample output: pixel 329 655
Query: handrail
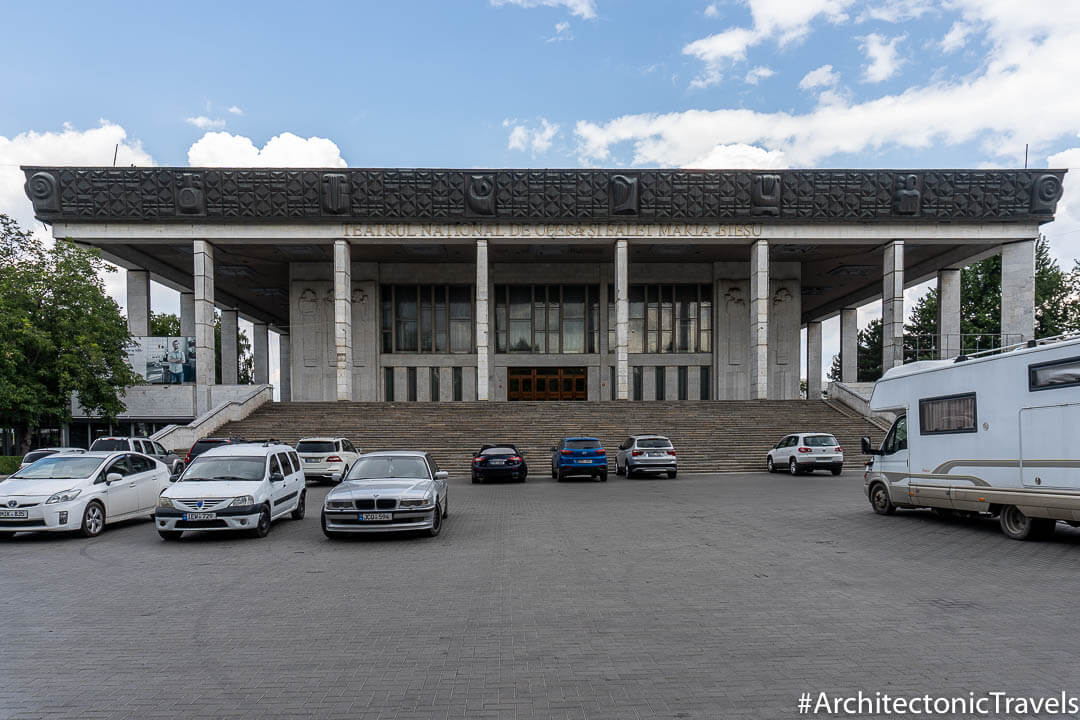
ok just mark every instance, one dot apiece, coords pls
pixel 184 436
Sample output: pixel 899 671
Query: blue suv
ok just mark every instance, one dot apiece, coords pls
pixel 579 456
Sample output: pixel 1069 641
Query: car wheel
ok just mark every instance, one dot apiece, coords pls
pixel 793 467
pixel 769 464
pixel 554 472
pixel 93 521
pixel 446 505
pixel 618 468
pixel 263 527
pixel 880 500
pixel 7 535
pixel 301 507
pixel 178 467
pixel 603 476
pixel 672 474
pixel 436 526
pixel 170 535
pixel 476 479
pixel 1018 526
pixel 559 475
pixel 836 471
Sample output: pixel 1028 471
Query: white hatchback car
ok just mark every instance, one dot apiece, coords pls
pixel 233 487
pixel 82 492
pixel 806 452
pixel 327 458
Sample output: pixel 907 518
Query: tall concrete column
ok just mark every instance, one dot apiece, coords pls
pixel 187 314
pixel 759 320
pixel 204 322
pixel 138 302
pixel 622 320
pixel 260 351
pixel 892 307
pixel 230 351
pixel 1018 292
pixel 284 369
pixel 343 318
pixel 849 345
pixel 483 315
pixel 813 361
pixel 948 313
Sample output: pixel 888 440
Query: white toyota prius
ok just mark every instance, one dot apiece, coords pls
pixel 84 492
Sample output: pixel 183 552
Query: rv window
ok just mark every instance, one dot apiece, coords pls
pixel 952 414
pixel 1057 374
pixel 896 440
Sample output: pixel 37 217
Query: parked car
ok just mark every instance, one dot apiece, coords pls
pixel 142 445
pixel 646 453
pixel 80 491
pixel 233 487
pixel 389 490
pixel 579 456
pixel 205 444
pixel 35 455
pixel 326 458
pixel 502 461
pixel 805 453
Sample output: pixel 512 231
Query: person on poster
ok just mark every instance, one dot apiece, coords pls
pixel 175 358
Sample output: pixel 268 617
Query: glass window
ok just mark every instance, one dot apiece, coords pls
pixel 410 382
pixel 109 444
pixel 141 464
pixel 1057 374
pixel 952 414
pixel 686 318
pixel 434 384
pixel 405 318
pixel 500 319
pixel 896 440
pixel 315 446
pixel 426 320
pixel 637 318
pixel 705 318
pixel 441 338
pixel 638 381
pixel 653 443
pixel 461 325
pixel 820 441
pixel 706 383
pixel 611 340
pixel 275 466
pixel 660 383
pixel 388 319
pixel 539 318
pixel 666 318
pixel 593 330
pixel 611 382
pixel 159 450
pixel 520 318
pixel 457 374
pixel 683 374
pixel 652 319
pixel 388 383
pixel 573 315
pixel 389 466
pixel 205 468
pixel 582 444
pixel 553 319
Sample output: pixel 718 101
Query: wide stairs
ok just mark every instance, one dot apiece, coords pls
pixel 709 436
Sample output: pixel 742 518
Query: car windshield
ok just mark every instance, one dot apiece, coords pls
pixel 654 443
pixel 58 467
pixel 582 444
pixel 389 466
pixel 820 441
pixel 109 444
pixel 204 469
pixel 315 446
pixel 500 450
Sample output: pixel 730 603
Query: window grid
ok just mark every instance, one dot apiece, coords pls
pixel 428 318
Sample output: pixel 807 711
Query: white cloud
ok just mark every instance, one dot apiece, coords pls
pixel 883 56
pixel 204 123
pixel 783 20
pixel 235 110
pixel 823 76
pixel 538 140
pixel 562 32
pixel 222 149
pixel 757 74
pixel 895 11
pixel 582 8
pixel 1064 232
pixel 957 36
pixel 1029 55
pixel 712 10
pixel 739 156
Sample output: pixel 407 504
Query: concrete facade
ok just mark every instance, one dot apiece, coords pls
pixel 1018 292
pixel 760 299
pixel 892 307
pixel 187 314
pixel 284 369
pixel 849 345
pixel 948 314
pixel 260 352
pixel 813 360
pixel 203 280
pixel 138 302
pixel 230 356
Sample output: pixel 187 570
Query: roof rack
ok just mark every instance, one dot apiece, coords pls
pixel 1018 346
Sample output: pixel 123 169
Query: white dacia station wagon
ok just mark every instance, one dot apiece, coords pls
pixel 233 487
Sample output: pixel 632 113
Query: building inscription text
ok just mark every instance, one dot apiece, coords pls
pixel 613 230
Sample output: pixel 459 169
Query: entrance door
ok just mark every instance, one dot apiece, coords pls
pixel 546 384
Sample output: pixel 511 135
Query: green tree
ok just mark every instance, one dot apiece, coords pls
pixel 168 325
pixel 59 334
pixel 869 364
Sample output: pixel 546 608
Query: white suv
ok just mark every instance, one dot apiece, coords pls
pixel 327 458
pixel 233 487
pixel 806 452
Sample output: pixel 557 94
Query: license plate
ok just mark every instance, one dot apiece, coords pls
pixel 498 462
pixel 376 516
pixel 14 514
pixel 584 460
pixel 200 516
pixel 314 460
pixel 656 454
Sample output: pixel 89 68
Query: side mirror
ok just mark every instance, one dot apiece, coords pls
pixel 866 449
pixel 277 477
pixel 113 477
pixel 441 475
pixel 174 477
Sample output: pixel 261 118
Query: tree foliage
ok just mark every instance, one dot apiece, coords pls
pixel 168 325
pixel 59 334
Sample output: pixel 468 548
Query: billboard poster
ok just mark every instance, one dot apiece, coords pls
pixel 163 360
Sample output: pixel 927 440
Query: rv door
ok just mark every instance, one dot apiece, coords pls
pixel 893 461
pixel 1049 453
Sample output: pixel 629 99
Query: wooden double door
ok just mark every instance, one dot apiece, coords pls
pixel 546 384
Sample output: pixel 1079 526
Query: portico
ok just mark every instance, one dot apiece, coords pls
pixel 639 286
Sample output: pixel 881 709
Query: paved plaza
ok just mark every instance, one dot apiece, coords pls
pixel 709 596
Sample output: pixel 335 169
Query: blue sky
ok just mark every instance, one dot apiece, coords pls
pixel 544 83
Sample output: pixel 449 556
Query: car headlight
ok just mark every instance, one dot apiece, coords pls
pixel 164 502
pixel 414 502
pixel 242 500
pixel 63 496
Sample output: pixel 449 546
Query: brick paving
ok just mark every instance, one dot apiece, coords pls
pixel 719 596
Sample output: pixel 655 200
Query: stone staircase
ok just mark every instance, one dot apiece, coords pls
pixel 710 436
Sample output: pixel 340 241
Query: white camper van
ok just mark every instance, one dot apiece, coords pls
pixel 993 433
